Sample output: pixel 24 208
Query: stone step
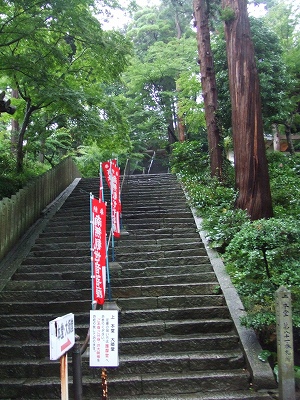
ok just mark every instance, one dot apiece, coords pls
pixel 170 301
pixel 157 214
pixel 45 295
pixel 175 314
pixel 221 341
pixel 85 260
pixel 164 279
pixel 165 290
pixel 139 303
pixel 44 285
pixel 175 241
pixel 155 255
pixel 122 253
pixel 180 327
pixel 129 280
pixel 152 215
pixel 120 245
pixel 122 269
pixel 166 262
pixel 162 232
pixel 145 330
pixel 131 364
pixel 53 307
pixel 180 270
pixel 126 316
pixel 179 362
pixel 164 383
pixel 229 395
pixel 33 343
pixel 158 234
pixel 157 224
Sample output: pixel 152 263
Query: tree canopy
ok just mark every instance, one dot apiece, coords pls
pixel 59 59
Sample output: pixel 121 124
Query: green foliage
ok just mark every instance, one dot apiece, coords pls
pixel 284 173
pixel 190 108
pixel 260 258
pixel 222 224
pixel 61 61
pixel 165 48
pixel 190 157
pixel 275 80
pixel 208 195
pixel 227 14
pixel 262 255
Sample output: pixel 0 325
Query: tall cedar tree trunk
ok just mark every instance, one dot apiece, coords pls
pixel 251 169
pixel 208 82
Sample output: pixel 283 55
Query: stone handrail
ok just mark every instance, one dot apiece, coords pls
pixel 23 209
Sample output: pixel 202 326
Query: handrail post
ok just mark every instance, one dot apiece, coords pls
pixel 77 369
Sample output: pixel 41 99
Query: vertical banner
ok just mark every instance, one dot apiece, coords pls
pixel 116 200
pixel 104 338
pixel 106 168
pixel 98 250
pixel 112 175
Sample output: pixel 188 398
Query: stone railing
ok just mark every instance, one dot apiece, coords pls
pixel 24 208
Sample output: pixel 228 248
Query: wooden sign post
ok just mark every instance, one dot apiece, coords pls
pixel 285 348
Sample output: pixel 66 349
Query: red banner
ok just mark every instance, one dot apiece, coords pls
pixel 112 175
pixel 106 167
pixel 116 200
pixel 99 249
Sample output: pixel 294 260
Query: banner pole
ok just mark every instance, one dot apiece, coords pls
pixel 91 235
pixel 107 270
pixel 101 191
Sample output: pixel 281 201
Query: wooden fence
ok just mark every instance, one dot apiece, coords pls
pixel 24 208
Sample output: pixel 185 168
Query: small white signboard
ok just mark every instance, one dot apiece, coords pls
pixel 61 335
pixel 104 338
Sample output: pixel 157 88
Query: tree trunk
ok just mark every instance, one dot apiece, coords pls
pixel 251 169
pixel 288 129
pixel 276 138
pixel 20 151
pixel 15 127
pixel 209 90
pixel 180 120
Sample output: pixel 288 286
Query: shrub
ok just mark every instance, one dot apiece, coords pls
pixel 190 157
pixel 261 257
pixel 285 183
pixel 222 225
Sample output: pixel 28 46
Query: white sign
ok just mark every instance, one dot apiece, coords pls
pixel 61 335
pixel 104 338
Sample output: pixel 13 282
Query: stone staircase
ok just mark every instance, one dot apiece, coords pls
pixel 177 339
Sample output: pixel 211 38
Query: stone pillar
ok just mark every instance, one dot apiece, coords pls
pixel 285 348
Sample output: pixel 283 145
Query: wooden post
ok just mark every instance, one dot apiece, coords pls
pixel 285 348
pixel 64 377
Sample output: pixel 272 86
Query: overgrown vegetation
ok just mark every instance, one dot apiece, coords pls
pixel 262 255
pixel 10 180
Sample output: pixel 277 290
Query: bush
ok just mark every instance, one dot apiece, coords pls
pixel 190 157
pixel 222 225
pixel 261 255
pixel 284 181
pixel 260 258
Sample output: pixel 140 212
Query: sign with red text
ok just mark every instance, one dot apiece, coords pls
pixel 112 175
pixel 61 335
pixel 104 338
pixel 116 200
pixel 106 168
pixel 99 249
